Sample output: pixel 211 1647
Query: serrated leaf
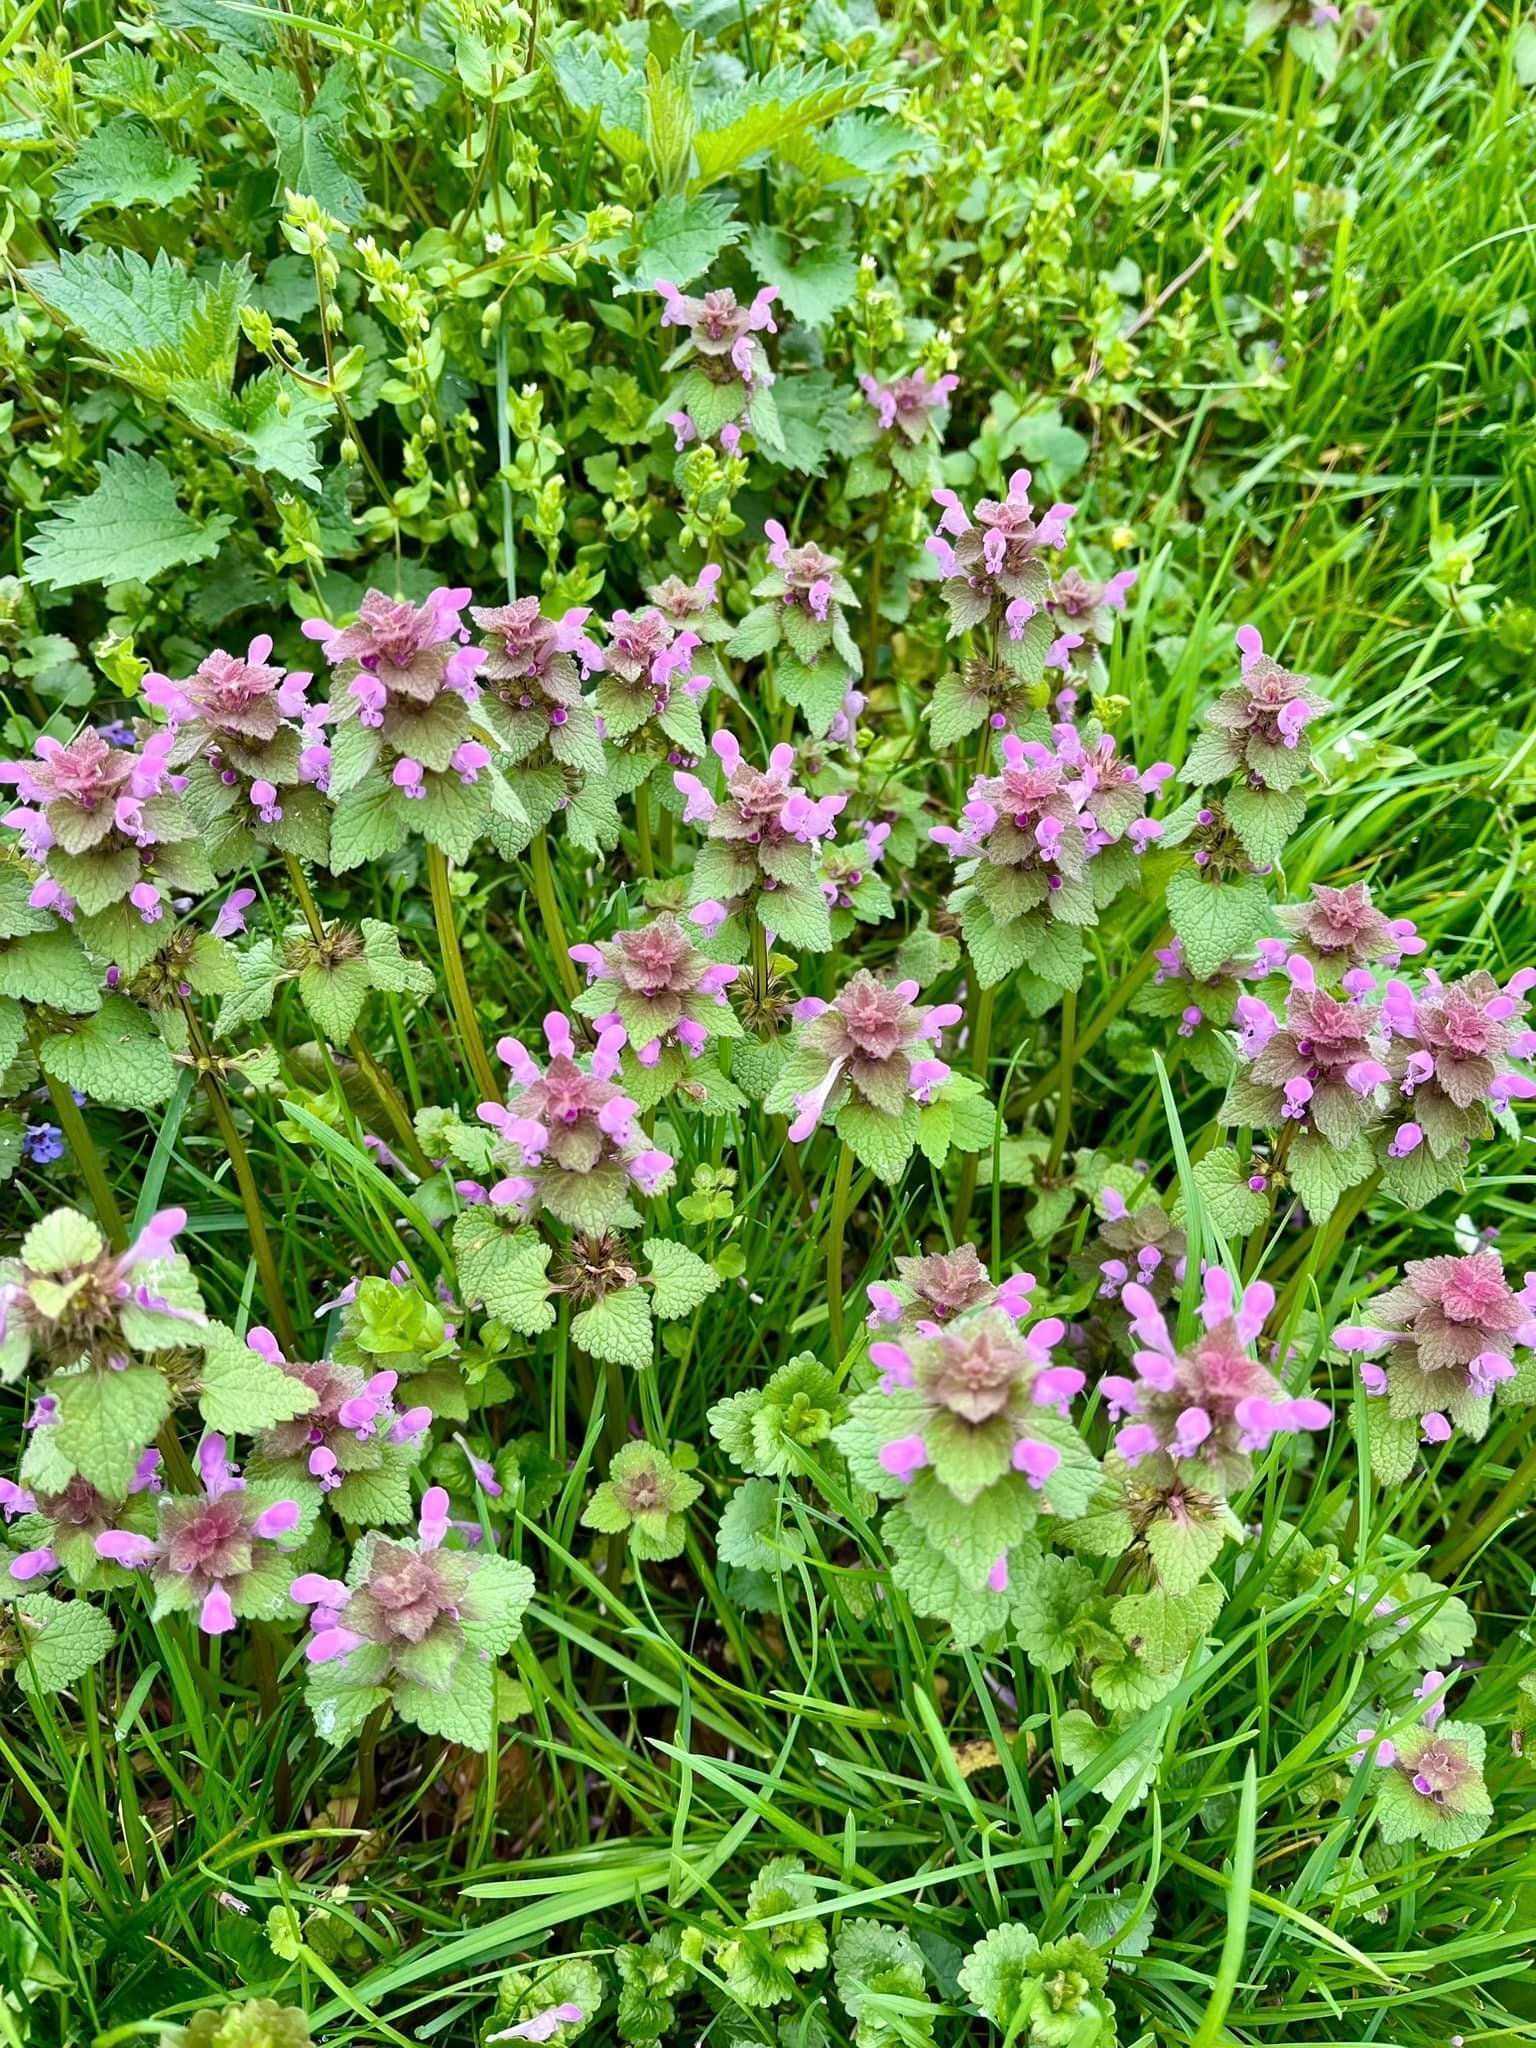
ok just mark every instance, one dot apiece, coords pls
pixel 242 1392
pixel 130 528
pixel 504 1270
pixel 1216 921
pixel 309 137
pixel 679 238
pixel 681 1279
pixel 125 164
pixel 62 1639
pixel 105 1421
pixel 388 967
pixel 815 279
pixel 1263 819
pixel 1233 1206
pixel 753 1534
pixel 114 1057
pixel 882 1143
pixel 334 996
pixel 617 1329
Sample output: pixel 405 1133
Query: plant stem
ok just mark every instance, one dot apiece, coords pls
pixel 87 1160
pixel 835 1229
pixel 459 995
pixel 250 1194
pixel 549 911
pixel 367 1776
pixel 1066 1063
pixel 983 1001
pixel 390 1099
pixel 759 937
pixel 646 855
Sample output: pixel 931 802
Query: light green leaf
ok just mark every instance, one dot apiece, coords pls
pixel 617 1328
pixel 115 1057
pixel 681 1278
pixel 130 528
pixel 506 1271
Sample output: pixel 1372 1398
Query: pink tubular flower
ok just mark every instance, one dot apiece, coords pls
pixel 765 838
pixel 909 405
pixel 974 1402
pixel 1087 613
pixel 571 1135
pixel 661 991
pixel 651 678
pixel 210 1551
pixel 998 556
pixel 720 334
pixel 1447 1334
pixel 1214 1405
pixel 932 1290
pixel 874 1045
pixel 354 1425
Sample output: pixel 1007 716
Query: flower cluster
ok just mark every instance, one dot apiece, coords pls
pixel 656 986
pixel 531 699
pixel 995 561
pixel 414 1625
pixel 1340 930
pixel 253 777
pixel 871 1051
pixel 802 613
pixel 1028 842
pixel 725 373
pixel 764 843
pixel 68 1301
pixel 115 841
pixel 58 1529
pixel 403 752
pixel 1208 1409
pixel 573 1141
pixel 932 1290
pixel 353 1441
pixel 1256 729
pixel 222 1552
pixel 1440 1344
pixel 650 679
pixel 911 405
pixel 1449 1054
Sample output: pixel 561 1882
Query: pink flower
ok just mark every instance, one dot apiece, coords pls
pixel 721 331
pixel 909 404
pixel 875 1041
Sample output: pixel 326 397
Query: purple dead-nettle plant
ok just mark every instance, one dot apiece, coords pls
pixel 226 1552
pixel 1144 1245
pixel 1256 729
pixel 659 988
pixel 1042 847
pixel 1440 1346
pixel 725 376
pixel 1210 1407
pixel 871 1053
pixel 650 691
pixel 1451 1052
pixel 932 1290
pixel 1320 1068
pixel 108 827
pixel 912 405
pixel 67 1300
pixel 695 608
pixel 406 750
pixel 413 1626
pixel 1083 618
pixel 801 620
pixel 57 1529
pixel 764 845
pixel 573 1143
pixel 355 1431
pixel 996 560
pixel 1341 930
pixel 236 733
pixel 531 690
